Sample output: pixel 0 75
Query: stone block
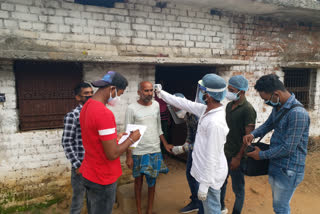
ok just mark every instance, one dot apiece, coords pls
pixel 126 198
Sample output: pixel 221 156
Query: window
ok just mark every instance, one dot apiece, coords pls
pixel 102 3
pixel 300 82
pixel 45 92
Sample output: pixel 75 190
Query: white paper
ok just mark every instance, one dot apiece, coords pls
pixel 133 127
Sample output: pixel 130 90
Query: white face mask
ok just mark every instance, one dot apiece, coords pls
pixel 181 114
pixel 113 101
pixel 232 96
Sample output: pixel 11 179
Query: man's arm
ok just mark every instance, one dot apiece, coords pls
pixel 112 150
pixel 235 162
pixel 260 131
pixel 68 136
pixel 297 123
pixel 184 104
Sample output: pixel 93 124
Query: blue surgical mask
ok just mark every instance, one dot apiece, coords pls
pixel 232 96
pixel 113 101
pixel 201 98
pixel 270 103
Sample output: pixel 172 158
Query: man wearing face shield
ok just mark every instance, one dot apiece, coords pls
pixel 209 166
pixel 192 125
pixel 241 118
pixel 101 165
pixel 288 143
pixel 72 145
pixel 146 159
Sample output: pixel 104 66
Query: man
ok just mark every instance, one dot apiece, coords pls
pixel 146 159
pixel 209 166
pixel 101 165
pixel 72 145
pixel 241 119
pixel 288 144
pixel 192 125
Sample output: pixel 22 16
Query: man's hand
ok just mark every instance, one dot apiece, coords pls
pixel 135 135
pixel 247 139
pixel 235 163
pixel 255 153
pixel 168 147
pixel 78 171
pixel 129 162
pixel 177 150
pixel 202 192
pixel 120 135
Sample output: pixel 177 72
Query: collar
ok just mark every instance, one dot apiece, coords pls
pixel 243 101
pixel 290 101
pixel 215 110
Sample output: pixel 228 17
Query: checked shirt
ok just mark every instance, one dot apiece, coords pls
pixel 71 138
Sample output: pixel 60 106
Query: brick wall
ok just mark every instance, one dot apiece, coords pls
pixel 32 164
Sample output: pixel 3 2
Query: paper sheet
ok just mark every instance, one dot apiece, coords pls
pixel 133 127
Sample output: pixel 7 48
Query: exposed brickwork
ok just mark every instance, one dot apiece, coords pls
pixel 33 163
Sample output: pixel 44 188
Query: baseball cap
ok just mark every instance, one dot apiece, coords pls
pixel 105 81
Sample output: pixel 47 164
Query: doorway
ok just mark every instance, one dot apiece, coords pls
pixel 182 79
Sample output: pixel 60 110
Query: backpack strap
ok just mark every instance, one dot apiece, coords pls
pixel 281 116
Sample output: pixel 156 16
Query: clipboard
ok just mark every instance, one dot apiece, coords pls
pixel 133 127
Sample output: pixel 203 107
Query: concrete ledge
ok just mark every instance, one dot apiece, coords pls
pixel 101 57
pixel 301 65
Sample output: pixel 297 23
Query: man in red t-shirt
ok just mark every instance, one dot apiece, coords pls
pixel 101 164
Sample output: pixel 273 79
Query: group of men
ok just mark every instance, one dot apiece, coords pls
pixel 216 142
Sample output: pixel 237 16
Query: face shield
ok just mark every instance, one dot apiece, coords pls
pixel 202 90
pixel 178 115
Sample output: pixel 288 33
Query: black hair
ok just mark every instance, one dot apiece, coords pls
pixel 119 81
pixel 269 83
pixel 77 89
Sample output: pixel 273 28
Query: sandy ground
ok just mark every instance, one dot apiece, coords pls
pixel 172 192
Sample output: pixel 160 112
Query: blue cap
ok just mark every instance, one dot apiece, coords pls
pixel 106 80
pixel 239 82
pixel 215 86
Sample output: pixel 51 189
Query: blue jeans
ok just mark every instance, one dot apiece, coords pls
pixel 237 178
pixel 78 192
pixel 212 204
pixel 283 184
pixel 193 184
pixel 100 198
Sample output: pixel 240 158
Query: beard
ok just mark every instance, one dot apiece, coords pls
pixel 147 99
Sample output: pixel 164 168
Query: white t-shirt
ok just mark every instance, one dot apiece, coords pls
pixel 148 116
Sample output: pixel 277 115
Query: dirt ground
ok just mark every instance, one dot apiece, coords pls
pixel 172 192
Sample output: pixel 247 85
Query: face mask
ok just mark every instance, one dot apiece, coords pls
pixel 113 101
pixel 86 99
pixel 202 98
pixel 181 114
pixel 270 103
pixel 232 96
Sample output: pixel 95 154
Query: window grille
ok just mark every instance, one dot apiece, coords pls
pixel 297 81
pixel 45 92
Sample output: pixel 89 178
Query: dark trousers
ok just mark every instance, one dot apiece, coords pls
pixel 78 192
pixel 237 178
pixel 100 198
pixel 193 184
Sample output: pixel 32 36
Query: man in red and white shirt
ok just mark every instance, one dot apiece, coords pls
pixel 101 165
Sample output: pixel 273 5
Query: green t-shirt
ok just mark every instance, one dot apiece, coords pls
pixel 237 119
